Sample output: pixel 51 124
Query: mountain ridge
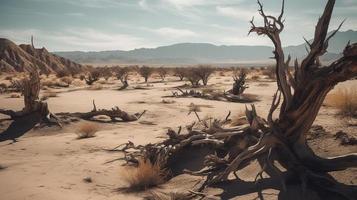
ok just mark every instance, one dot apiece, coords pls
pixel 20 58
pixel 195 53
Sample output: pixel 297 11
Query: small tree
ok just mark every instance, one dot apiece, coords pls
pixel 180 72
pixel 204 72
pixel 193 77
pixel 145 72
pixel 162 73
pixel 122 74
pixel 105 72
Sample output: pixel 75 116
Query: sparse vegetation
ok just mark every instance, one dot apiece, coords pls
pixel 162 73
pixel 144 176
pixel 204 72
pixel 91 77
pixel 180 72
pixel 122 74
pixel 145 72
pixel 345 100
pixel 87 130
pixel 192 77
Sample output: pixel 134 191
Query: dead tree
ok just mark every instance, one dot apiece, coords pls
pixel 239 85
pixel 30 89
pixel 162 73
pixel 180 72
pixel 301 95
pixel 145 72
pixel 122 74
pixel 113 114
pixel 92 77
pixel 281 140
pixel 193 77
pixel 204 72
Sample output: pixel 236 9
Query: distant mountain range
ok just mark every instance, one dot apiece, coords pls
pixel 22 57
pixel 193 53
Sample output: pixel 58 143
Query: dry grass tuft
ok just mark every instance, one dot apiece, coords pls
pixel 15 95
pixel 144 176
pixel 345 100
pixel 87 130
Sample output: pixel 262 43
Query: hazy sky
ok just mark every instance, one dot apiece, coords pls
pixel 127 24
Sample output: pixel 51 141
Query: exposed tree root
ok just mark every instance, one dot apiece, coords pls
pixel 224 96
pixel 114 114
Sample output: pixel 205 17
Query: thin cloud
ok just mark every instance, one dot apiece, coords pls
pixel 175 33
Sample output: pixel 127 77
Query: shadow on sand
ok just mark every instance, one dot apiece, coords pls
pixel 19 127
pixel 294 191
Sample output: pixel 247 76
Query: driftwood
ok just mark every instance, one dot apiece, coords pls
pixel 239 85
pixel 224 96
pixel 30 89
pixel 282 140
pixel 113 114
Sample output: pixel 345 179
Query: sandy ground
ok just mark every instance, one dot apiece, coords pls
pixel 51 163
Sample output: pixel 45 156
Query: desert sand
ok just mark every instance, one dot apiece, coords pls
pixel 50 163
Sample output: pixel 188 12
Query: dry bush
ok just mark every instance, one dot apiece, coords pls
pixel 122 74
pixel 162 73
pixel 270 72
pixel 144 176
pixel 92 77
pixel 180 72
pixel 67 79
pixel 204 72
pixel 345 100
pixel 192 77
pixel 14 95
pixel 255 77
pixel 63 73
pixel 77 83
pixel 87 130
pixel 145 72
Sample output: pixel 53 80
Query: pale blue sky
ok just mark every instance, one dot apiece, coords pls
pixel 93 25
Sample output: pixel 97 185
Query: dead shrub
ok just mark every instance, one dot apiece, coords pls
pixel 180 72
pixel 15 95
pixel 270 72
pixel 144 176
pixel 145 72
pixel 345 100
pixel 204 72
pixel 162 72
pixel 87 130
pixel 67 79
pixel 63 73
